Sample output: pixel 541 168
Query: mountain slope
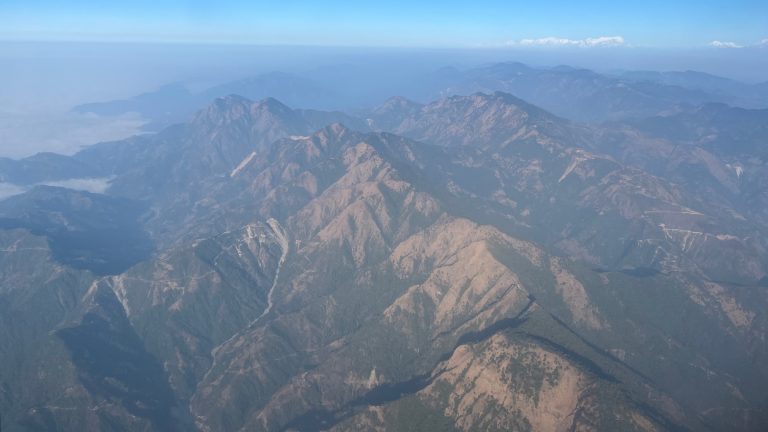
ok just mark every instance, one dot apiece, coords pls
pixel 490 269
pixel 518 164
pixel 350 226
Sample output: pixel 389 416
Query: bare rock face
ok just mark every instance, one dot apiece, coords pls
pixel 523 386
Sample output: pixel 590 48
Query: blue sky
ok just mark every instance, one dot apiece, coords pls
pixel 431 23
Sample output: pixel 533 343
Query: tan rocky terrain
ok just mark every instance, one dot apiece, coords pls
pixel 487 267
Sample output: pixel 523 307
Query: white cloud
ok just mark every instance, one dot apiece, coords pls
pixel 604 41
pixel 26 133
pixel 547 41
pixel 93 185
pixel 10 189
pixel 721 44
pixel 563 42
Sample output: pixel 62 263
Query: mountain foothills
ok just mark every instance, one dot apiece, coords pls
pixel 469 263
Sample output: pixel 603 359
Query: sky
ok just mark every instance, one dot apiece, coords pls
pixel 56 54
pixel 428 23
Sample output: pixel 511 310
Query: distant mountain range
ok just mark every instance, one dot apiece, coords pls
pixel 472 262
pixel 577 94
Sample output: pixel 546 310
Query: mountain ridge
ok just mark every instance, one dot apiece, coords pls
pixel 474 263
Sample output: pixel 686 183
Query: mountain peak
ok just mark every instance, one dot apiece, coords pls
pixel 337 128
pixel 398 102
pixel 479 118
pixel 502 97
pixel 272 105
pixel 392 112
pixel 332 131
pixel 236 103
pixel 497 100
pixel 231 100
pixel 222 109
pixel 233 109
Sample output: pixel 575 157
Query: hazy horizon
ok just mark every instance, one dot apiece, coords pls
pixel 45 80
pixel 57 56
